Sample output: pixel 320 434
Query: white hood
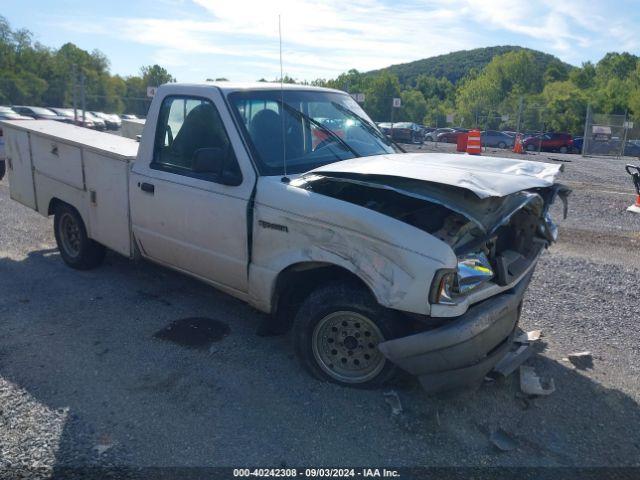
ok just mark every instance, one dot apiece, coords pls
pixel 484 176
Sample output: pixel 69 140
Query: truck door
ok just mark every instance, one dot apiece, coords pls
pixel 190 189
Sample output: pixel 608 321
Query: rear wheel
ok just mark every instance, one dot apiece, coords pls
pixel 76 248
pixel 502 145
pixel 531 147
pixel 337 331
pixel 563 149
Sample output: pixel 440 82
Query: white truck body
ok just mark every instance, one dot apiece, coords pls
pixel 244 238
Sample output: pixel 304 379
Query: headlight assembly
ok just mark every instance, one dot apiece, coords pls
pixel 472 271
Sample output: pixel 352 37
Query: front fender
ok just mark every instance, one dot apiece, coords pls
pixel 378 249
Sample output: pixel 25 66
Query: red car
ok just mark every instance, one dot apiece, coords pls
pixel 452 136
pixel 549 142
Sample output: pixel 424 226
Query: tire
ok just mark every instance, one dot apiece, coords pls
pixel 429 138
pixel 2 169
pixel 350 313
pixel 502 145
pixel 531 147
pixel 563 149
pixel 76 248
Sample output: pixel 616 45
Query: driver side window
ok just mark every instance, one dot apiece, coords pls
pixel 191 140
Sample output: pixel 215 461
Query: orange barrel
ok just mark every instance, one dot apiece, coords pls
pixel 474 145
pixel 461 142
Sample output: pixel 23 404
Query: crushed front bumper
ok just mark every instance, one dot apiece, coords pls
pixel 460 353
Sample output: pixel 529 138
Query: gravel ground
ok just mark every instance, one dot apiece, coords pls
pixel 83 381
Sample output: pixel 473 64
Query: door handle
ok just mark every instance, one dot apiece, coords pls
pixel 147 187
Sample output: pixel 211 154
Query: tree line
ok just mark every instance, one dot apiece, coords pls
pixel 33 74
pixel 513 86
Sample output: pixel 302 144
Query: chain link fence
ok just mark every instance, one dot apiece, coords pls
pixel 610 135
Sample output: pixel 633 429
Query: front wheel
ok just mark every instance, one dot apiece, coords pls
pixel 563 149
pixel 337 331
pixel 502 145
pixel 531 147
pixel 76 248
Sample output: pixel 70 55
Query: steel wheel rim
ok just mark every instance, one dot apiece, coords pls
pixel 345 346
pixel 70 235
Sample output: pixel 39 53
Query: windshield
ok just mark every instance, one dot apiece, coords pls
pixel 320 128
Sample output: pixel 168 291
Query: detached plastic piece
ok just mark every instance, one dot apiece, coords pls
pixel 530 382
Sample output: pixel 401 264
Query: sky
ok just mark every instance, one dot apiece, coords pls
pixel 238 39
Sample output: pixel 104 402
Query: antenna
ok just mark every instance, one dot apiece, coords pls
pixel 284 179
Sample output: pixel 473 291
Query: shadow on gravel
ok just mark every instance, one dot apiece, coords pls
pixel 84 341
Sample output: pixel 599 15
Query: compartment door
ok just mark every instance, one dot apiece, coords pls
pixel 19 167
pixel 108 184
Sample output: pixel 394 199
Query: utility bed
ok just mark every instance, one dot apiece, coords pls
pixel 49 161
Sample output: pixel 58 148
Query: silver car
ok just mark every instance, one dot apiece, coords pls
pixel 495 138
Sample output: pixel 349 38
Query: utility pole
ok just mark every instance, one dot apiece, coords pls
pixel 625 125
pixel 587 126
pixel 392 119
pixel 75 93
pixel 83 98
pixel 520 105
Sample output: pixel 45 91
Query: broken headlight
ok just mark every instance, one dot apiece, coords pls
pixel 473 270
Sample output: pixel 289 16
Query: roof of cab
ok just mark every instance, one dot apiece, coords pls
pixel 228 87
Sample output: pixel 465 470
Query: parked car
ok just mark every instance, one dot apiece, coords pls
pixel 426 130
pixel 577 144
pixel 452 136
pixel 6 113
pixel 632 149
pixel 407 132
pixel 549 142
pixel 39 113
pixel 129 116
pixel 614 147
pixel 111 120
pixel 98 123
pixel 365 252
pixel 432 136
pixel 495 138
pixel 385 127
pixel 68 112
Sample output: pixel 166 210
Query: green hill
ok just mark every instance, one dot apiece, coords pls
pixel 456 65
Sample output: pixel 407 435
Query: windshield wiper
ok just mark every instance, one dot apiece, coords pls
pixel 368 125
pixel 317 124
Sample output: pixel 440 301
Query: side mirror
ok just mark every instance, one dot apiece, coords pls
pixel 209 160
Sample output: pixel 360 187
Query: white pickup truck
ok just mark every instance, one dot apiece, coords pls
pixel 293 201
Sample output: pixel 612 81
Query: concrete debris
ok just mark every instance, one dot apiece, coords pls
pixel 512 360
pixel 502 440
pixel 531 336
pixel 581 360
pixel 392 398
pixel 531 383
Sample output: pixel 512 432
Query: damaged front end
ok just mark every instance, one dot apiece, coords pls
pixel 474 305
pixel 494 238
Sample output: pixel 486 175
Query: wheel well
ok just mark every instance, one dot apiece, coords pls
pixel 297 281
pixel 53 204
